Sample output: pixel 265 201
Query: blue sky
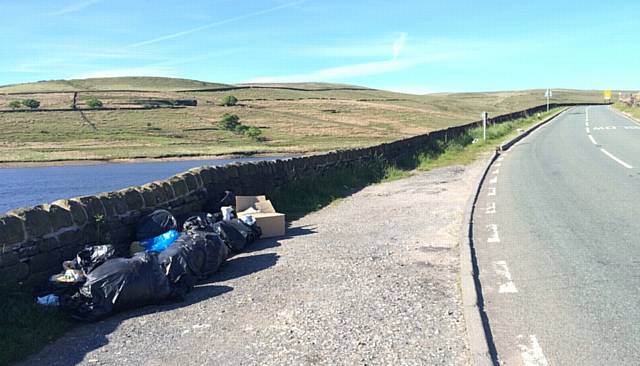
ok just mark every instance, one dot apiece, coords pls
pixel 414 46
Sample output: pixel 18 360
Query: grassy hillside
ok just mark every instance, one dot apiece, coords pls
pixel 118 83
pixel 291 121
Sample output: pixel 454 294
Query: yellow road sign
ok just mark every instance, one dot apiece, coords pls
pixel 607 94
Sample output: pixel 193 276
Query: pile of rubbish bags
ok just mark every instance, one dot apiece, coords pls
pixel 97 283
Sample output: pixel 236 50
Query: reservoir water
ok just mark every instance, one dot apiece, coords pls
pixel 29 186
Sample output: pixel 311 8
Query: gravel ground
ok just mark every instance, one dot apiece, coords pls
pixel 370 280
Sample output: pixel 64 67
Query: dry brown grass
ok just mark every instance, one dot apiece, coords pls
pixel 291 121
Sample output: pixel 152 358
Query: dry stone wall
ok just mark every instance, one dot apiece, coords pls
pixel 35 240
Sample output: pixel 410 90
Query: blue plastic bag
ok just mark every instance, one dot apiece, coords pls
pixel 160 242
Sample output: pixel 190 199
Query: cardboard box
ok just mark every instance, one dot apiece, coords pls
pixel 271 222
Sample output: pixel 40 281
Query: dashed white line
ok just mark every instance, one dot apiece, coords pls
pixel 501 158
pixel 493 237
pixel 493 180
pixel 586 111
pixel 616 159
pixel 587 129
pixel 491 208
pixel 492 191
pixel 496 172
pixel 592 139
pixel 497 165
pixel 508 287
pixel 586 124
pixel 532 355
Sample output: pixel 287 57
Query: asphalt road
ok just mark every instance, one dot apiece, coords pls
pixel 557 238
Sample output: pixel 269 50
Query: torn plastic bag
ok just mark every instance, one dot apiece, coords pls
pixel 90 257
pixel 156 223
pixel 118 284
pixel 192 257
pixel 236 234
pixel 199 221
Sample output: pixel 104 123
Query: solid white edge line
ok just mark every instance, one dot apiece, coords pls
pixel 616 159
pixel 620 113
pixel 592 139
pixel 587 129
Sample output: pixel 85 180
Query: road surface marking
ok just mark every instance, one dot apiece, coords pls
pixel 496 172
pixel 631 127
pixel 586 112
pixel 503 271
pixel 586 124
pixel 497 165
pixel 492 191
pixel 493 238
pixel 592 139
pixel 491 208
pixel 493 180
pixel 597 128
pixel 501 158
pixel 616 159
pixel 587 129
pixel 532 356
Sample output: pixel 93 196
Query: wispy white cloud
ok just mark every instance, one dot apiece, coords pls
pixel 216 24
pixel 351 71
pixel 75 7
pixel 395 63
pixel 398 45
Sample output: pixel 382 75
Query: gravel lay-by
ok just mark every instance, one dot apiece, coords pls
pixel 372 279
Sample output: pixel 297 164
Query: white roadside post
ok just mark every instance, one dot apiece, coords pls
pixel 548 94
pixel 485 115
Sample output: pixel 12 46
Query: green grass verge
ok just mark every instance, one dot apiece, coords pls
pixel 469 146
pixel 633 111
pixel 26 327
pixel 310 194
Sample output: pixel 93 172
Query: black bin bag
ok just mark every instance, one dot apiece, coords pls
pixel 90 258
pixel 156 223
pixel 119 284
pixel 236 234
pixel 195 255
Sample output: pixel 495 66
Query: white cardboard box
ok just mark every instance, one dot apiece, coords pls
pixel 271 222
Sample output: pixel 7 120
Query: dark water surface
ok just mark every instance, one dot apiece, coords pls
pixel 22 187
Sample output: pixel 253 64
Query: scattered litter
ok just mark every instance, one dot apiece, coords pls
pixel 167 263
pixel 227 213
pixel 69 276
pixel 248 219
pixel 48 300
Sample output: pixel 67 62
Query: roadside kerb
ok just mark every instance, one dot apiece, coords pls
pixel 478 332
pixel 506 146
